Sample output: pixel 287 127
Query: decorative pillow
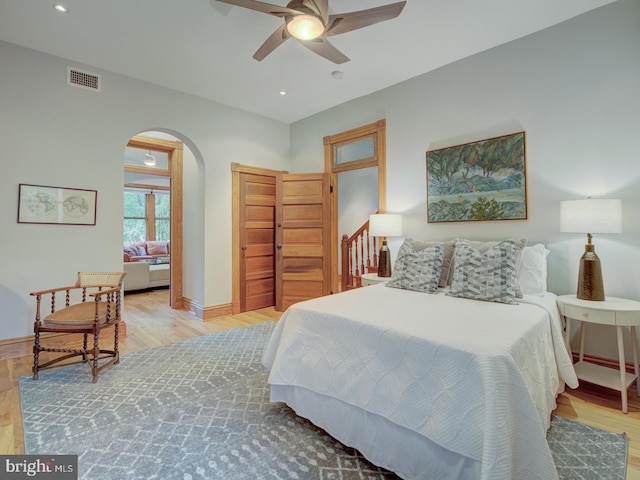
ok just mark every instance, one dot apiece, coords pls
pixel 141 249
pixel 532 275
pixel 417 269
pixel 131 251
pixel 447 255
pixel 489 276
pixel 156 247
pixel 482 247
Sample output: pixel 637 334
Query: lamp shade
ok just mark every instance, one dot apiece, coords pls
pixel 385 225
pixel 591 215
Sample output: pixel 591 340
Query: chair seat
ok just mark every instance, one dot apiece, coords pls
pixel 81 315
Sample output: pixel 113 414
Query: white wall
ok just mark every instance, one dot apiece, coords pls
pixel 53 134
pixel 575 90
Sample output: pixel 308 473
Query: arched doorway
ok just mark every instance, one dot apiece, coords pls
pixel 152 162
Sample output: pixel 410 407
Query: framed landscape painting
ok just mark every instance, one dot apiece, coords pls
pixel 482 180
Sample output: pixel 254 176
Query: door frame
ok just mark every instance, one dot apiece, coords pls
pixel 377 131
pixel 174 149
pixel 236 170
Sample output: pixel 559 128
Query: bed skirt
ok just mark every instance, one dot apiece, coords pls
pixel 385 444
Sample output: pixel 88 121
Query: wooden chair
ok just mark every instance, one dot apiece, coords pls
pixel 100 308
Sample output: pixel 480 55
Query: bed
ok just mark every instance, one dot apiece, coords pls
pixel 428 385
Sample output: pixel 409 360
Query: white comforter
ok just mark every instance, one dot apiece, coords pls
pixel 478 378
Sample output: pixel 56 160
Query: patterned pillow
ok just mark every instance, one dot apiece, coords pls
pixel 447 255
pixel 482 247
pixel 417 268
pixel 489 276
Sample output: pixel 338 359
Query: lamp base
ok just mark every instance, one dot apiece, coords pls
pixel 590 285
pixel 384 260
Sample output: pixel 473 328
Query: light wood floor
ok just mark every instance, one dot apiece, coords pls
pixel 150 323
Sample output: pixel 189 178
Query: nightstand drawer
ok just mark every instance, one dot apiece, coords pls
pixel 627 318
pixel 589 315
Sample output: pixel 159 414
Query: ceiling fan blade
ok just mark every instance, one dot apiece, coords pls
pixel 323 48
pixel 321 7
pixel 346 22
pixel 275 10
pixel 276 39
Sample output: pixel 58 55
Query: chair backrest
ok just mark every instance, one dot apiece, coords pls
pixel 100 279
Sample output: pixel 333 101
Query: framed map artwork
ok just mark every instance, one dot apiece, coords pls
pixel 56 205
pixel 482 180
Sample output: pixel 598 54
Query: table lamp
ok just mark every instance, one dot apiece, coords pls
pixel 591 215
pixel 385 225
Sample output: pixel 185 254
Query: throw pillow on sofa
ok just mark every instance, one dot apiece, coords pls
pixel 131 251
pixel 157 248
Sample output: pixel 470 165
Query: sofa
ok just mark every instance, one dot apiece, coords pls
pixel 144 275
pixel 149 250
pixel 147 265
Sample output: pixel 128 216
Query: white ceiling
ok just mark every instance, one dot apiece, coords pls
pixel 205 48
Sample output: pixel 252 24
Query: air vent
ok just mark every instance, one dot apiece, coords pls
pixel 86 80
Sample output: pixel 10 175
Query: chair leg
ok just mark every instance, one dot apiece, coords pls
pixel 85 358
pixel 96 354
pixel 36 355
pixel 116 338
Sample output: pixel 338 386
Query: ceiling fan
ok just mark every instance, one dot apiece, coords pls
pixel 310 23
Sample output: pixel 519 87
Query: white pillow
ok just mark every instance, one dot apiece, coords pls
pixel 533 270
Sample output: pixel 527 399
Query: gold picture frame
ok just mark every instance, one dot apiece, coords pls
pixel 56 205
pixel 476 181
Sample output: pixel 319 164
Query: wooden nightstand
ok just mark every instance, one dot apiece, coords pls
pixel 613 311
pixel 372 278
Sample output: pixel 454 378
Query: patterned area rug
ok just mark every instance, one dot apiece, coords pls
pixel 582 452
pixel 199 409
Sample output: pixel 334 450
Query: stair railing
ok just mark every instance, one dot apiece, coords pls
pixel 359 252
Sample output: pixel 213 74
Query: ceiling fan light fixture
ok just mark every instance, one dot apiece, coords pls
pixel 149 160
pixel 305 27
pixel 60 8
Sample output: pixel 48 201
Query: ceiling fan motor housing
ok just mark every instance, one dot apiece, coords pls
pixel 320 25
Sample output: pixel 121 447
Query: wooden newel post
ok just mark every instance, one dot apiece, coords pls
pixel 344 274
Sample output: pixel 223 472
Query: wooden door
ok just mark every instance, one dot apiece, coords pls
pixel 303 268
pixel 257 241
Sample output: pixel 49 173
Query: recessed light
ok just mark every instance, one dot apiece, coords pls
pixel 283 93
pixel 58 7
pixel 337 74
